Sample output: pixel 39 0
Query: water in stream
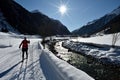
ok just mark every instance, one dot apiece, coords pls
pixel 91 67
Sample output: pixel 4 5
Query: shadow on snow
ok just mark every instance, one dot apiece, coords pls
pixel 8 70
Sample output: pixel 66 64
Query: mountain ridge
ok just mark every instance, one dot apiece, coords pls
pixel 96 25
pixel 31 23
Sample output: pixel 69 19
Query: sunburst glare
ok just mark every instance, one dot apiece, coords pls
pixel 63 9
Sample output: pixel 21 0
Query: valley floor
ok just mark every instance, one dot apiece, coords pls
pixel 40 65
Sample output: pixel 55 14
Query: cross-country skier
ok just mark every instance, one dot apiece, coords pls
pixel 24 45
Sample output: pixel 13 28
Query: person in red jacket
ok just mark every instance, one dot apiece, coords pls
pixel 24 45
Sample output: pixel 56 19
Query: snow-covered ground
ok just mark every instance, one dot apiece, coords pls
pixel 105 39
pixel 40 65
pixel 104 54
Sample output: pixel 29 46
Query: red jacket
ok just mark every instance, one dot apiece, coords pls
pixel 24 44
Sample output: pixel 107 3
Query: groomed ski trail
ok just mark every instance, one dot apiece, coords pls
pixel 29 69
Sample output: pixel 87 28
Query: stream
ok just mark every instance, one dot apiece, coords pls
pixel 88 65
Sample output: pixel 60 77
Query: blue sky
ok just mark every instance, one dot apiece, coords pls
pixel 79 12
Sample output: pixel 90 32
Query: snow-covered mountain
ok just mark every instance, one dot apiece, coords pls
pixel 116 11
pixel 31 22
pixel 35 11
pixel 97 25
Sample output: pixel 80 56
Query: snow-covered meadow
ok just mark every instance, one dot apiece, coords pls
pixel 105 39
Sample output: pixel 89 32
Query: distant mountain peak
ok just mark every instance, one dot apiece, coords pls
pixel 35 11
pixel 91 22
pixel 116 11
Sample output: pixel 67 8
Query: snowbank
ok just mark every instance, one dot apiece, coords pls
pixel 60 69
pixel 102 54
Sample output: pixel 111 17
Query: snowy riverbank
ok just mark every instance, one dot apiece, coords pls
pixel 102 54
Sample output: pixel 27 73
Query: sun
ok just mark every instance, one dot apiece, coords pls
pixel 62 9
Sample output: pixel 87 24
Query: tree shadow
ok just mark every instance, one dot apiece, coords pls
pixel 8 70
pixel 5 46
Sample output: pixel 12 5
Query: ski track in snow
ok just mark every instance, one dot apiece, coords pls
pixel 27 70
